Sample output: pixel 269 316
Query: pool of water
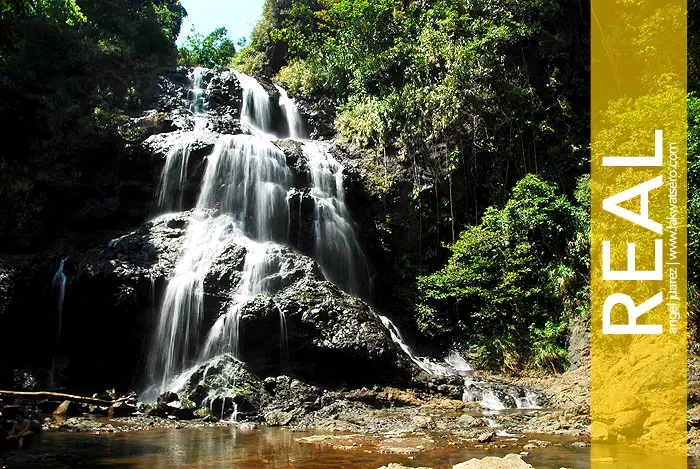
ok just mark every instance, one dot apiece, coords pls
pixel 263 448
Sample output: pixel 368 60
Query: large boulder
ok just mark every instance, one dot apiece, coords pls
pixel 225 386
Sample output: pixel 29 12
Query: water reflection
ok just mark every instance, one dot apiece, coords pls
pixel 265 448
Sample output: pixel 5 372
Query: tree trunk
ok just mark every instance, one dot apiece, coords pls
pixel 57 396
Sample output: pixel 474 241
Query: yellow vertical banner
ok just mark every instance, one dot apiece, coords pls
pixel 638 234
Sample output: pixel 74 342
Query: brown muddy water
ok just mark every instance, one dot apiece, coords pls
pixel 262 448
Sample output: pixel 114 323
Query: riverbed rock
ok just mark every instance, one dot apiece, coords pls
pixel 224 385
pixel 394 465
pixel 121 409
pixel 486 437
pixel 511 461
pixel 68 409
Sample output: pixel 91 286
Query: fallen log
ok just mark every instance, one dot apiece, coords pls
pixel 56 396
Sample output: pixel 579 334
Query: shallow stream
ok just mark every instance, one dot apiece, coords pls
pixel 262 448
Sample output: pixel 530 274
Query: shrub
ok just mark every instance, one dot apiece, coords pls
pixel 503 291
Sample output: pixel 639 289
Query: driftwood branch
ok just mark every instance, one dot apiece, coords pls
pixel 56 396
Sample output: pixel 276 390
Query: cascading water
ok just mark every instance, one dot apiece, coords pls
pixel 294 121
pixel 256 112
pixel 425 365
pixel 243 200
pixel 174 175
pixel 243 197
pixel 336 245
pixel 59 288
pixel 337 249
pixel 224 336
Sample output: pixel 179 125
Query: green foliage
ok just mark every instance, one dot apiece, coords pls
pixel 547 345
pixel 434 72
pixel 212 51
pixel 68 70
pixel 512 281
pixel 126 296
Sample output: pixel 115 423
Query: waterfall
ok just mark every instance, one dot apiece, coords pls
pixel 243 200
pixel 59 288
pixel 174 176
pixel 295 123
pixel 256 112
pixel 336 248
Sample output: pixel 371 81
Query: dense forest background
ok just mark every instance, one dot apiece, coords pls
pixel 469 122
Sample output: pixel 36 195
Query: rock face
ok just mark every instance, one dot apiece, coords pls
pixel 331 336
pixel 115 279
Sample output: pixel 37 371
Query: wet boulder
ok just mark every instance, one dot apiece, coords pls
pixel 167 397
pixel 290 400
pixel 224 386
pixel 68 409
pixel 121 409
pixel 334 337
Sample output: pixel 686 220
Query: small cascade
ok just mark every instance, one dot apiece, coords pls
pixel 295 123
pixel 459 364
pixel 284 341
pixel 224 336
pixel 59 288
pixel 497 396
pixel 256 113
pixel 424 364
pixel 174 175
pixel 337 248
pixel 490 395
